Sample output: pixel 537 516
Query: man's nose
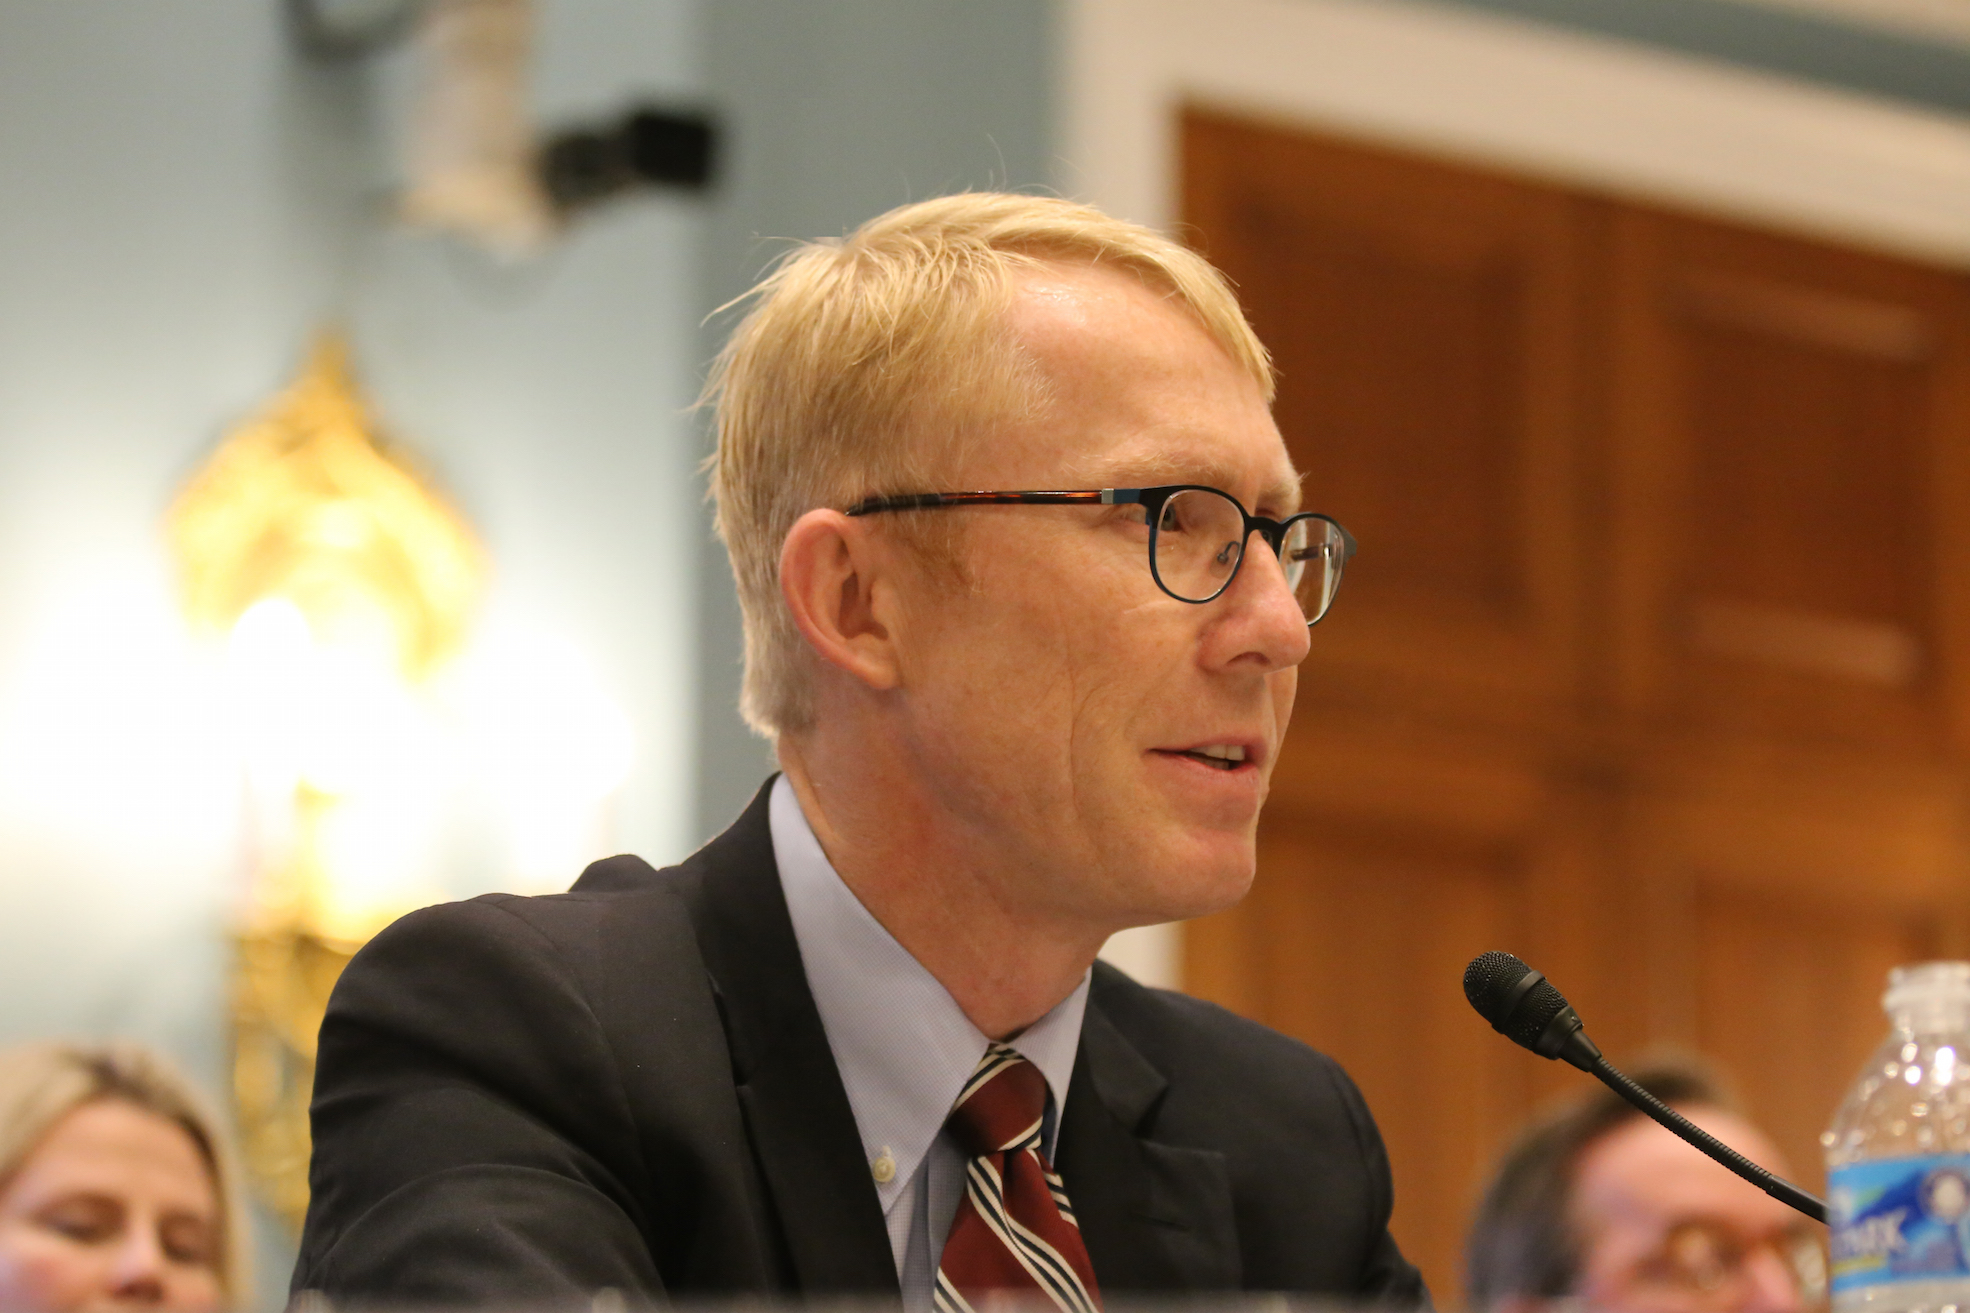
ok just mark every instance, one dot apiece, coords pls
pixel 1771 1286
pixel 1279 627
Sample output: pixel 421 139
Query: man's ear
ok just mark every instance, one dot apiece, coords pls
pixel 833 577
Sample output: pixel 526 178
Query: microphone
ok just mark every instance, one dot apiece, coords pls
pixel 1524 1007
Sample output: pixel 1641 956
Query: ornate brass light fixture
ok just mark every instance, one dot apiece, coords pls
pixel 337 574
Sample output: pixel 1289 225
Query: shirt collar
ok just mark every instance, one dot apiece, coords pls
pixel 903 1046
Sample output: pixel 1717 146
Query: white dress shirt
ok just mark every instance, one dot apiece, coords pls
pixel 903 1046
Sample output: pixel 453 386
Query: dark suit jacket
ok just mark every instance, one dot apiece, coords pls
pixel 628 1086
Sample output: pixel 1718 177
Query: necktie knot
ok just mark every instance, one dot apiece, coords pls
pixel 1001 1107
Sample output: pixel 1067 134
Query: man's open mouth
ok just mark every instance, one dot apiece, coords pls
pixel 1217 756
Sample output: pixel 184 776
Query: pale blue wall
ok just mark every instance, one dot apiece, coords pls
pixel 1812 46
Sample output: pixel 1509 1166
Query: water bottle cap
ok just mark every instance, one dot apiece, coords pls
pixel 1926 986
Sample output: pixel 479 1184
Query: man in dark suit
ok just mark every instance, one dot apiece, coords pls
pixel 1025 582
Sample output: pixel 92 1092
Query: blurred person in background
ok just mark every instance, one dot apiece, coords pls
pixel 115 1188
pixel 1596 1205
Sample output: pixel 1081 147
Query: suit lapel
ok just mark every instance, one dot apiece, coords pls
pixel 797 1113
pixel 1154 1216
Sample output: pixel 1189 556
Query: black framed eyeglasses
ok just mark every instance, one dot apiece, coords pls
pixel 1197 536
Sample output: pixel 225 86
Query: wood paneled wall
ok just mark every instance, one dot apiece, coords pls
pixel 1654 667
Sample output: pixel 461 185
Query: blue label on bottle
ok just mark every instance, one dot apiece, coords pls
pixel 1900 1219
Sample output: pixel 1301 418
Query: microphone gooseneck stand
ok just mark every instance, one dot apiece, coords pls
pixel 1776 1186
pixel 1526 1008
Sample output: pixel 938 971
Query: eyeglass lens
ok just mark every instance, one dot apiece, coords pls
pixel 1200 538
pixel 1710 1264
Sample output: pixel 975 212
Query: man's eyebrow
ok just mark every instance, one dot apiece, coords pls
pixel 1284 494
pixel 1288 495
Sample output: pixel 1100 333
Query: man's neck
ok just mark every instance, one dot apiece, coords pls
pixel 1006 966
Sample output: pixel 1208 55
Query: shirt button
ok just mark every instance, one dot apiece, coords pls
pixel 884 1167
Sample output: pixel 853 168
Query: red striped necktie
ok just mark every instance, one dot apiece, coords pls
pixel 1015 1234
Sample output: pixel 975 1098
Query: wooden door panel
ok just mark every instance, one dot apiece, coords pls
pixel 1784 886
pixel 1780 417
pixel 1823 824
pixel 1426 325
pixel 1652 666
pixel 1788 996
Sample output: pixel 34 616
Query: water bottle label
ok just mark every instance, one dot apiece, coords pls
pixel 1900 1219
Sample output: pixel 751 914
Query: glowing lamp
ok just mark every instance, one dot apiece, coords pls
pixel 339 583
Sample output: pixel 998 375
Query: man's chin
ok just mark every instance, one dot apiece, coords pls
pixel 1199 877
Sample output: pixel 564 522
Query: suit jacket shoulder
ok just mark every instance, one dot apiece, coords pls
pixel 525 1100
pixel 519 1099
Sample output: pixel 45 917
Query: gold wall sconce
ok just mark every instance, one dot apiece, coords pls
pixel 340 583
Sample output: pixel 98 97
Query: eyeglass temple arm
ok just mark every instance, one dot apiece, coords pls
pixel 924 501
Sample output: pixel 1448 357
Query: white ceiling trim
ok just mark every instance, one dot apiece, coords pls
pixel 1577 109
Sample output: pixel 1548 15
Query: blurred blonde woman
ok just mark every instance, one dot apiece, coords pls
pixel 115 1189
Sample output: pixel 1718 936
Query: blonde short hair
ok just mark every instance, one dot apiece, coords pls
pixel 865 365
pixel 42 1083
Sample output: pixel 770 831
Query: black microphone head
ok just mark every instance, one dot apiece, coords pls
pixel 1534 1013
pixel 1526 1008
pixel 1490 983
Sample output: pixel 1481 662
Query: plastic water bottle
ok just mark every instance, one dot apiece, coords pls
pixel 1898 1155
